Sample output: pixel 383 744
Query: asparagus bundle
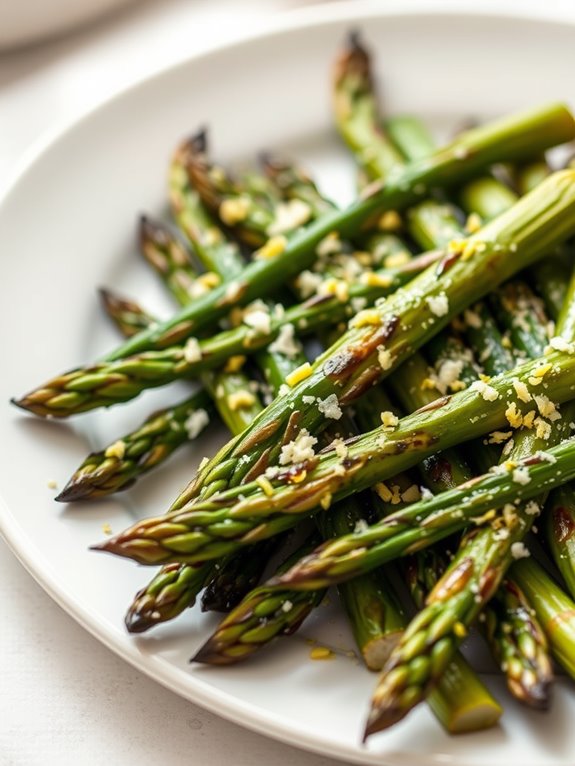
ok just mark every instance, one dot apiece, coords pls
pixel 279 469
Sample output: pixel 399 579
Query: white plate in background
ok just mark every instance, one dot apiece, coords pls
pixel 66 226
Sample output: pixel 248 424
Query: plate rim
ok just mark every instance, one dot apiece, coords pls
pixel 190 687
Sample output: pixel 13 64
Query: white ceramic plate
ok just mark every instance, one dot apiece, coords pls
pixel 66 226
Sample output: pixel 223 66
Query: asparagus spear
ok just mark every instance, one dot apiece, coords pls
pixel 213 527
pixel 553 608
pixel 519 644
pixel 120 464
pixel 511 139
pixel 262 616
pixel 466 586
pixel 126 314
pixel 109 383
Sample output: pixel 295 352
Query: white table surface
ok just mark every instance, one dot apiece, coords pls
pixel 65 699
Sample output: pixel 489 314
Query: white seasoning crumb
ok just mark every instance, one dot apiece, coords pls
pixel 298 450
pixel 308 399
pixel 284 389
pixel 286 343
pixel 289 215
pixel 287 606
pixel 329 245
pixel 308 283
pixel 546 456
pixel 519 551
pixel 438 304
pixel 532 508
pixel 329 407
pixel 426 494
pixel 196 422
pixel 258 320
pixel 340 448
pixel 361 525
pixel 192 351
pixel 546 408
pixel 560 344
pixel 448 374
pixel 117 449
pixel 521 475
pixel 488 393
pixel 472 319
pixel 233 292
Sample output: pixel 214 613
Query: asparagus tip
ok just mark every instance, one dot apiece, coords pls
pixel 354 42
pixel 151 231
pixel 138 622
pixel 208 655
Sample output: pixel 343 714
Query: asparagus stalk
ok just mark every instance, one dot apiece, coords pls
pixel 553 608
pixel 120 464
pixel 110 383
pixel 217 525
pixel 512 139
pixel 356 362
pixel 262 616
pixel 467 585
pixel 519 644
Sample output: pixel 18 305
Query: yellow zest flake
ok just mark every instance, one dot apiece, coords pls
pixel 542 429
pixel 411 494
pixel 457 385
pixel 52 484
pixel 106 529
pixel 498 437
pixel 389 420
pixel 272 248
pixel 473 223
pixel 266 485
pixel 325 501
pixel 240 400
pixel 321 653
pixel 388 495
pixel 117 449
pixel 547 408
pixel 389 221
pixel 460 630
pixel 521 390
pixel 542 370
pixel 506 341
pixel 234 210
pixel 395 260
pixel 479 520
pixel 514 416
pixel 428 384
pixel 373 279
pixel 484 378
pixel 235 363
pixel 300 373
pixel 297 478
pixel 365 259
pixel 384 358
pixel 209 280
pixel 337 287
pixel 509 514
pixel 533 381
pixel 329 245
pixel 366 317
pixel 456 246
pixel 528 419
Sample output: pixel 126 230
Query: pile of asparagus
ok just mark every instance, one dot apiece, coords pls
pixel 450 278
